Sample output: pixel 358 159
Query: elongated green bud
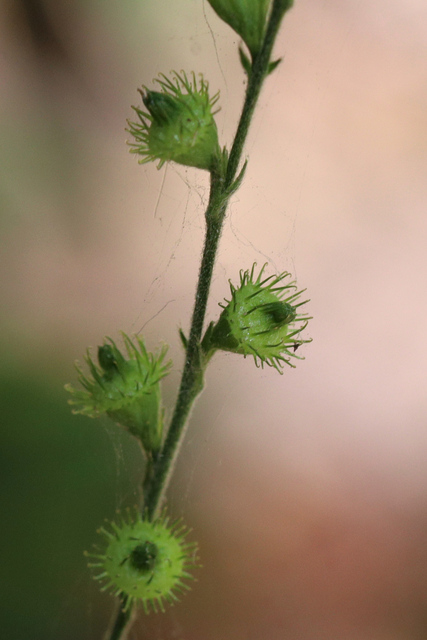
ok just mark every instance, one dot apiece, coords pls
pixel 248 18
pixel 179 124
pixel 126 389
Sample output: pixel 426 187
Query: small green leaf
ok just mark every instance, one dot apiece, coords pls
pixel 238 181
pixel 183 338
pixel 273 65
pixel 246 63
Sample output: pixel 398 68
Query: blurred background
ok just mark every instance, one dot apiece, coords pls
pixel 308 491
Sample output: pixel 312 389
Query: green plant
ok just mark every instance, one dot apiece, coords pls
pixel 145 559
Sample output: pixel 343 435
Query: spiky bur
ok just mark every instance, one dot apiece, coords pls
pixel 179 124
pixel 261 320
pixel 127 389
pixel 146 562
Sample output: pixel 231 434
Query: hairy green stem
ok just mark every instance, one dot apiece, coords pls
pixel 122 623
pixel 191 381
pixel 192 377
pixel 258 73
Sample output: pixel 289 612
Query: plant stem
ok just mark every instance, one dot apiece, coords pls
pixel 192 377
pixel 258 73
pixel 121 624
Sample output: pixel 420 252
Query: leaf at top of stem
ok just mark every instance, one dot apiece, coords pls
pixel 248 18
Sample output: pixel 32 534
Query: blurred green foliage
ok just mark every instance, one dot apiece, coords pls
pixel 60 475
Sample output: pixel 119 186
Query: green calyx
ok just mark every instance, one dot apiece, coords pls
pixel 179 124
pixel 145 562
pixel 248 18
pixel 261 320
pixel 127 389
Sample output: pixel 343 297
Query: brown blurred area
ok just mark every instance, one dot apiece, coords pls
pixel 307 491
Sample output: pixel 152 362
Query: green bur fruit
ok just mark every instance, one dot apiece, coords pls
pixel 126 389
pixel 179 125
pixel 143 561
pixel 261 320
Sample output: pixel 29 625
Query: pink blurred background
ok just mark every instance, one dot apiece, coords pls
pixel 307 491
